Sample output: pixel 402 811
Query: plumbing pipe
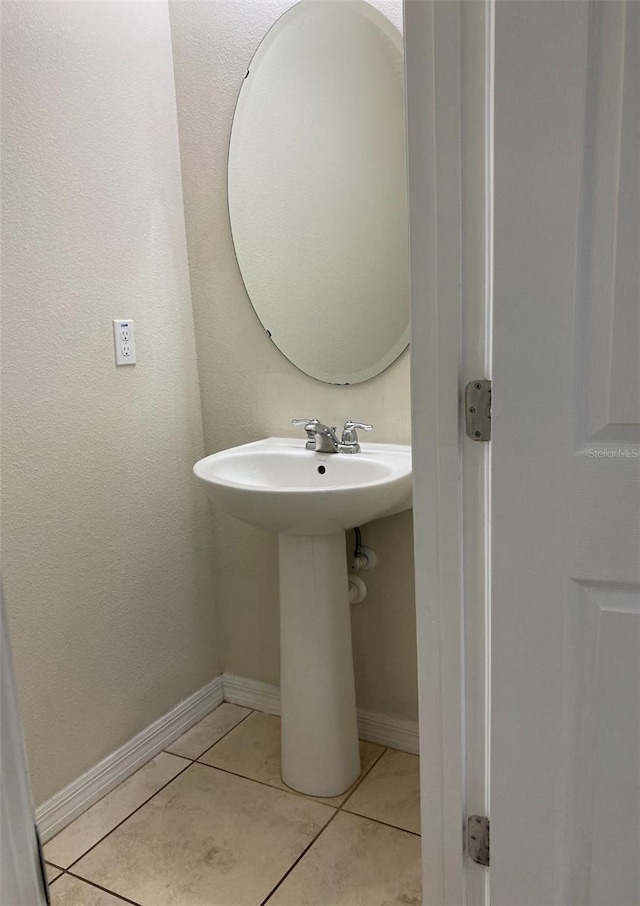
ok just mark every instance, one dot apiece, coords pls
pixel 365 559
pixel 357 589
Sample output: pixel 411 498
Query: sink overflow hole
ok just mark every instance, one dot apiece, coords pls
pixel 321 469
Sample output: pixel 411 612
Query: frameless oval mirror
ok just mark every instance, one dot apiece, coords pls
pixel 317 189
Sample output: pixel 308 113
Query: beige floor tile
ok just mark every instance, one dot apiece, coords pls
pixel 70 891
pixel 391 792
pixel 212 728
pixel 102 817
pixel 52 872
pixel 355 862
pixel 208 839
pixel 253 750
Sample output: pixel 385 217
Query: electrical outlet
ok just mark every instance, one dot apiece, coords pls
pixel 124 339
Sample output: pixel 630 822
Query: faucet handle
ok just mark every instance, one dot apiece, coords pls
pixel 303 422
pixel 308 424
pixel 350 436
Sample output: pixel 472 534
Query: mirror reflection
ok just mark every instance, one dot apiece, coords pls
pixel 317 189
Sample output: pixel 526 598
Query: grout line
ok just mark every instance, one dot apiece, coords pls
pixel 120 823
pixel 383 823
pixel 57 878
pixel 208 748
pixel 363 775
pixel 300 857
pixel 174 755
pixel 61 875
pixel 104 889
pixel 288 789
pixel 343 807
pixel 320 800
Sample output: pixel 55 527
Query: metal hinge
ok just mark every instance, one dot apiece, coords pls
pixel 477 404
pixel 478 839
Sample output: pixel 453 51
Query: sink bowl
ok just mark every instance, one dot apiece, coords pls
pixel 279 485
pixel 310 499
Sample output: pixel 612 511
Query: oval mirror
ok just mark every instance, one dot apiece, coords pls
pixel 317 189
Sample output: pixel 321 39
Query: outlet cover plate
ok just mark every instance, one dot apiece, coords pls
pixel 124 341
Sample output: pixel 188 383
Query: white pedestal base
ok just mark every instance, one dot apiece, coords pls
pixel 320 753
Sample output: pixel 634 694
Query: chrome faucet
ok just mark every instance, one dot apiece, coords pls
pixel 326 439
pixel 308 424
pixel 323 439
pixel 349 442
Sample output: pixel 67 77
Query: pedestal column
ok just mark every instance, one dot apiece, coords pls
pixel 320 753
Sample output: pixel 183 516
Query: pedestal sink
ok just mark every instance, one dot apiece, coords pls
pixel 310 499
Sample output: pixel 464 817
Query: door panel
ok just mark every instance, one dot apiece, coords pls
pixel 608 312
pixel 603 632
pixel 565 763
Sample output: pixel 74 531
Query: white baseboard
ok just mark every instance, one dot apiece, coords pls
pixel 251 693
pixel 76 798
pixel 54 814
pixel 395 732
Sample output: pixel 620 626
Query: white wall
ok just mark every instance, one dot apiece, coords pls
pixel 249 390
pixel 107 550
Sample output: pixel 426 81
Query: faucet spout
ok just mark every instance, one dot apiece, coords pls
pixel 326 439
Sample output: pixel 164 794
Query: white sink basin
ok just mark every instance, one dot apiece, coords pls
pixel 310 499
pixel 277 484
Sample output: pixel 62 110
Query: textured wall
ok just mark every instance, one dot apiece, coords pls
pixel 106 539
pixel 249 390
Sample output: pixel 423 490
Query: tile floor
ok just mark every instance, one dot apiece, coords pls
pixel 209 822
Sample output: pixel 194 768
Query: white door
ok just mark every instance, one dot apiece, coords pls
pixel 565 456
pixel 21 879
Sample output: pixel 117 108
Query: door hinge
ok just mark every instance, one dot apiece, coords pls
pixel 478 839
pixel 477 406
